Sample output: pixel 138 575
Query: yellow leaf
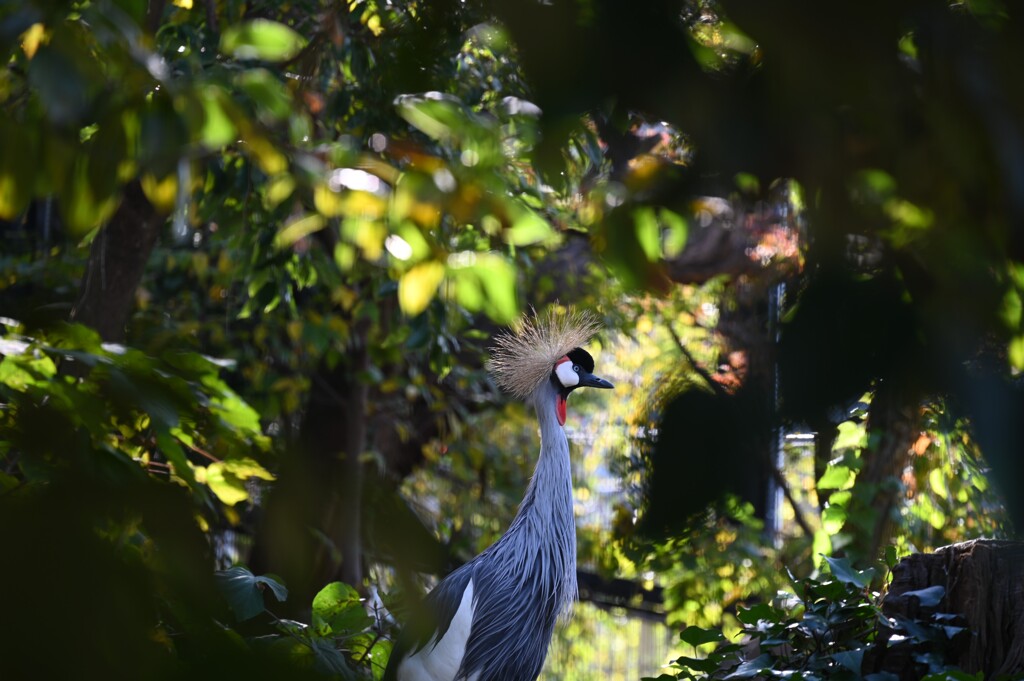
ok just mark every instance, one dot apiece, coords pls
pixel 418 286
pixel 161 193
pixel 184 4
pixel 327 202
pixel 34 36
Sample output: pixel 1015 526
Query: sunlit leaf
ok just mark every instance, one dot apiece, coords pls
pixel 418 286
pixel 297 229
pixel 228 487
pixel 267 92
pixel 218 128
pixel 1015 352
pixel 261 39
pixel 648 233
pixel 32 38
pixel 162 193
pixel 529 228
pixel 833 518
pixel 836 477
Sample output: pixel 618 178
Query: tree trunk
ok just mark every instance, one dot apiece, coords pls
pixel 117 261
pixel 980 582
pixel 893 427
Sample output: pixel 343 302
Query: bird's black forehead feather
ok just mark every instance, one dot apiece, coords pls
pixel 582 358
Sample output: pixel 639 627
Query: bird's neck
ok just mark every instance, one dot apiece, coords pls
pixel 550 489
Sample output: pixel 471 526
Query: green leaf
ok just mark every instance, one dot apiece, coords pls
pixel 339 608
pixel 299 228
pixel 329 660
pixel 836 477
pixel 217 129
pixel 929 597
pixel 757 613
pixel 648 233
pixel 850 659
pixel 261 39
pixel 752 667
pixel 676 231
pixel 852 435
pixel 1015 352
pixel 59 85
pixel 844 572
pixel 697 636
pixel 833 518
pixel 244 591
pixel 272 100
pixel 529 228
pixel 17 168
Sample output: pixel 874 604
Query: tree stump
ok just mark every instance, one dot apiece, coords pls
pixel 983 582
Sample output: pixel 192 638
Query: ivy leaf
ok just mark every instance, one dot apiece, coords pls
pixel 844 572
pixel 752 667
pixel 697 636
pixel 929 597
pixel 850 659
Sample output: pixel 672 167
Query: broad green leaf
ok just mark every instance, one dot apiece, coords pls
pixel 937 481
pixel 438 116
pixel 851 435
pixel 261 39
pixel 833 518
pixel 418 286
pixel 929 597
pixel 648 232
pixel 329 660
pixel 246 468
pixel 244 591
pixel 339 607
pixel 850 659
pixel 696 636
pixel 239 588
pixel 228 487
pixel 267 92
pixel 752 668
pixel 844 572
pixel 529 228
pixel 836 477
pixel 217 129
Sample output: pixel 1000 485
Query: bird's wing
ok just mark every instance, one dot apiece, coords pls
pixel 432 645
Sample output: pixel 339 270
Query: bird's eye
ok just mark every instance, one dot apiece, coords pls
pixel 576 368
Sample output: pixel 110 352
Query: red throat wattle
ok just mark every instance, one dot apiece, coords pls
pixel 560 409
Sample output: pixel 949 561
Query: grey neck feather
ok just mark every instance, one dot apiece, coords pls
pixel 546 513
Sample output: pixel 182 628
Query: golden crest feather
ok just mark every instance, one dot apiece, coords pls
pixel 521 360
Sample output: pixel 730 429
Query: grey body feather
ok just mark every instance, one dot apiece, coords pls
pixel 523 582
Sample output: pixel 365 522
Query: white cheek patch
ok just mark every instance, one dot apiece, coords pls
pixel 566 376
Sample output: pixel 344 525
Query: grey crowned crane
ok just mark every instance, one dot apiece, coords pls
pixel 492 619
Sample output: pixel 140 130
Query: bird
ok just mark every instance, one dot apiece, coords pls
pixel 492 618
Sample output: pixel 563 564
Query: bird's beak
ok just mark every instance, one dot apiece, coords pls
pixel 592 381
